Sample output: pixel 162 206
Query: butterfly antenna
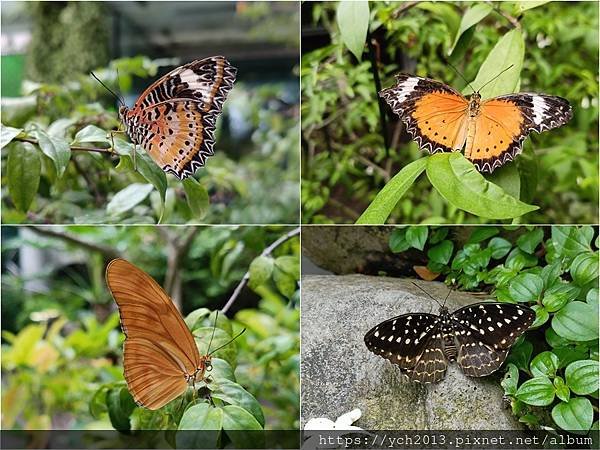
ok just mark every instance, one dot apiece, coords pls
pixel 213 333
pixel 447 295
pixel 228 342
pixel 119 86
pixel 428 294
pixel 460 75
pixel 107 88
pixel 494 78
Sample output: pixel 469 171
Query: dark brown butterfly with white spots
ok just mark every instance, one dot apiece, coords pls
pixel 174 119
pixel 478 337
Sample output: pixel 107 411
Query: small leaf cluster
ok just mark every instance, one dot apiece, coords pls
pixel 555 272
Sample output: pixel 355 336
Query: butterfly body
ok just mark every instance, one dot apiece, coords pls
pixel 174 119
pixel 478 337
pixel 491 131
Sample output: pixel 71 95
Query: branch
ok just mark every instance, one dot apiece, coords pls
pixel 246 277
pixel 177 247
pixel 74 148
pixel 106 251
pixel 513 20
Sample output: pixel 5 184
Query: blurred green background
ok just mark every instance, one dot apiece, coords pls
pixel 61 340
pixel 48 51
pixel 344 158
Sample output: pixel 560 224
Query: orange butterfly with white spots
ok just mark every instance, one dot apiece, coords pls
pixel 440 119
pixel 174 119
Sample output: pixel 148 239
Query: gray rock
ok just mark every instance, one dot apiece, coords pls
pixel 340 374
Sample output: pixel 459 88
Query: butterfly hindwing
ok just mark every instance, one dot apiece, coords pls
pixel 432 364
pixel 174 119
pixel 434 113
pixel 504 123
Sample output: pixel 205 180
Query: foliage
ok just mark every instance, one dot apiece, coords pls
pixel 555 272
pixel 345 161
pixel 64 357
pixel 60 164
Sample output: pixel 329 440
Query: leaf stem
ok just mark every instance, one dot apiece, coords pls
pixel 73 147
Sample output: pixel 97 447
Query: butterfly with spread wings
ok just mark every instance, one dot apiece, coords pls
pixel 478 337
pixel 174 119
pixel 440 119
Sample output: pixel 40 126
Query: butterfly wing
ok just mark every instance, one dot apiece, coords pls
pixel 504 123
pixel 409 341
pixel 159 350
pixel 174 119
pixel 435 115
pixel 485 333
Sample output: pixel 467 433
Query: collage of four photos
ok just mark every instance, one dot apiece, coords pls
pixel 283 224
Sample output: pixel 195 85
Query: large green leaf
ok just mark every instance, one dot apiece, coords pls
pixel 526 287
pixel 55 148
pixel 242 428
pixel 509 50
pixel 91 133
pixel 260 270
pixel 353 22
pixel 539 391
pixel 457 180
pixel 197 197
pixel 575 415
pixel 202 417
pixel 577 321
pixel 472 17
pixel 127 198
pixel 544 364
pixel 385 201
pixel 153 174
pixel 582 376
pixel 23 171
pixel 234 394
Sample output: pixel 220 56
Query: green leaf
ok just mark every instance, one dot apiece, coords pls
pixel 241 426
pixel 472 16
pixel 553 339
pixel 544 364
pixel 289 264
pixel 234 394
pixel 510 380
pixel 55 148
pixel 539 391
pixel 509 50
pixel 480 234
pixel 7 134
pixel 443 11
pixel 524 6
pixel 284 282
pixel 197 197
pixel 577 321
pixel 120 405
pixel 541 316
pixel 220 337
pixel 398 242
pixel 562 391
pixel 584 268
pixel 575 415
pixel 529 241
pixel 441 253
pixel 457 180
pixel 416 236
pixel 570 353
pixel 570 240
pixel 551 274
pixel 500 247
pixel 154 175
pixel 520 354
pixel 200 417
pixel 582 376
pixel 260 271
pixel 353 22
pixel 526 288
pixel 385 201
pixel 91 133
pixel 23 171
pixel 128 198
pixel 508 178
pixel 558 296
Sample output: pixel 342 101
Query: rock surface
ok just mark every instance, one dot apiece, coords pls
pixel 340 374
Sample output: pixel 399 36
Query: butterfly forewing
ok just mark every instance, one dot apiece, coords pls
pixel 159 350
pixel 477 336
pixel 174 119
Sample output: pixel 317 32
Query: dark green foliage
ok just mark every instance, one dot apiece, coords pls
pixel 69 38
pixel 555 272
pixel 554 49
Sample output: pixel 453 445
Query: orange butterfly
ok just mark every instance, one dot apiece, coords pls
pixel 440 119
pixel 174 119
pixel 160 356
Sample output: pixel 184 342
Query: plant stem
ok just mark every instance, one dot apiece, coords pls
pixel 246 277
pixel 73 147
